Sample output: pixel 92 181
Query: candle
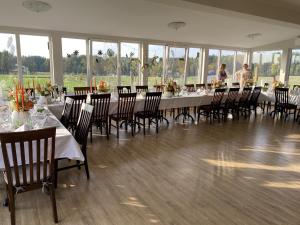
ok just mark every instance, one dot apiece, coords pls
pixel 17 99
pixel 22 98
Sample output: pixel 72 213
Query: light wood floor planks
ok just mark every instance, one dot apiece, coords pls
pixel 235 173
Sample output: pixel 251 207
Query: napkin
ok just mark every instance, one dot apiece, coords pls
pixel 24 127
pixel 51 122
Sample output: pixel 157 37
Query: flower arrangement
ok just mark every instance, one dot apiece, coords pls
pixel 44 90
pixel 277 84
pixel 171 86
pixel 19 100
pixel 249 83
pixel 102 86
pixel 216 83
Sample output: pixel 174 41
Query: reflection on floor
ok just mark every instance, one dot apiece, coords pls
pixel 239 172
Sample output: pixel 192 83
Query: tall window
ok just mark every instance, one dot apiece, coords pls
pixel 241 59
pixel 294 77
pixel 35 59
pixel 213 64
pixel 266 66
pixel 176 63
pixel 130 63
pixel 8 60
pixel 192 73
pixel 155 61
pixel 104 62
pixel 74 60
pixel 227 57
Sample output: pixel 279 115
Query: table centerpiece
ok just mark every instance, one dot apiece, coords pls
pixel 45 91
pixel 103 86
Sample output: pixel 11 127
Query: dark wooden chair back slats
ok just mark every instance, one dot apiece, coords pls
pixel 233 95
pixel 200 86
pixel 235 84
pixel 67 112
pixel 159 88
pixel 218 97
pixel 152 102
pixel 140 89
pixel 30 92
pixel 121 89
pixel 126 103
pixel 245 95
pixel 282 95
pixel 255 95
pixel 83 90
pixel 101 104
pixel 83 125
pixel 64 90
pixel 78 100
pixel 41 166
pixel 190 87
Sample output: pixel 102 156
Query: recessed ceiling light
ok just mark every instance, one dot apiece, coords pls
pixel 254 35
pixel 36 6
pixel 176 25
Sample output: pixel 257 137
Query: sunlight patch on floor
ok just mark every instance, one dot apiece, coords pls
pixel 289 184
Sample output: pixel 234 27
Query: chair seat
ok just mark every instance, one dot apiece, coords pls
pixel 145 114
pixel 288 106
pixel 121 117
pixel 28 174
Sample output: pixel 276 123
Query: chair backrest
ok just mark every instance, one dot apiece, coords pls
pixel 233 94
pixel 28 157
pixel 237 84
pixel 190 87
pixel 83 90
pixel 245 95
pixel 76 107
pixel 140 89
pixel 30 92
pixel 218 97
pixel 282 95
pixel 83 124
pixel 255 95
pixel 64 90
pixel 101 104
pixel 159 88
pixel 126 103
pixel 200 86
pixel 296 86
pixel 124 89
pixel 65 117
pixel 152 102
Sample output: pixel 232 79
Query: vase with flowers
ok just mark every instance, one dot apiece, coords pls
pixel 103 86
pixel 45 91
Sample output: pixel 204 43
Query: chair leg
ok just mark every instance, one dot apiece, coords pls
pixel 53 202
pixel 86 166
pixel 109 130
pixel 55 173
pixel 117 128
pixel 11 202
pixel 156 120
pixel 132 127
pixel 106 129
pixel 144 124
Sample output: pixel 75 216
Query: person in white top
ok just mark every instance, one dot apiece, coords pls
pixel 243 75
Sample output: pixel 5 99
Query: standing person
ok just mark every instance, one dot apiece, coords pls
pixel 244 74
pixel 222 73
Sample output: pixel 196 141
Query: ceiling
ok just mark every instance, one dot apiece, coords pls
pixel 149 18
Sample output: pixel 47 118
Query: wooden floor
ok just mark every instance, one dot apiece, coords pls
pixel 235 173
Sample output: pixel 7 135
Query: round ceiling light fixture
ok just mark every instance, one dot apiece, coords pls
pixel 176 25
pixel 36 6
pixel 254 35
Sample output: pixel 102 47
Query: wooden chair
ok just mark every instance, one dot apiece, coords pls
pixel 282 104
pixel 213 109
pixel 81 135
pixel 200 86
pixel 30 92
pixel 66 114
pixel 253 102
pixel 101 104
pixel 83 90
pixel 242 104
pixel 78 100
pixel 140 89
pixel 151 110
pixel 190 87
pixel 125 112
pixel 229 105
pixel 30 169
pixel 121 89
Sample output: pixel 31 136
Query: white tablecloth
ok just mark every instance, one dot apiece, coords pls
pixel 65 146
pixel 270 96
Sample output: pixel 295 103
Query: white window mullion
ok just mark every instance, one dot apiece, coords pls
pixel 88 61
pixel 19 58
pixel 186 65
pixel 119 64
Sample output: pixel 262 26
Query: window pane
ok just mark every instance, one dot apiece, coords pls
pixel 241 58
pixel 213 55
pixel 35 59
pixel 130 63
pixel 193 66
pixel 294 77
pixel 176 64
pixel 104 62
pixel 227 57
pixel 8 60
pixel 74 60
pixel 155 61
pixel 266 66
